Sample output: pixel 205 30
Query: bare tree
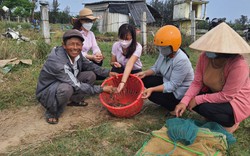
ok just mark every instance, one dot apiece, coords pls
pixel 67 10
pixel 55 6
pixel 165 8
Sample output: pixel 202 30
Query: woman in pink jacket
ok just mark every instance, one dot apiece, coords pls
pixel 84 24
pixel 221 88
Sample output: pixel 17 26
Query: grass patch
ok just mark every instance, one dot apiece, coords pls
pixel 114 137
pixel 19 86
pixel 119 137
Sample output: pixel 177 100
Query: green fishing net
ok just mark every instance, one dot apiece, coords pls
pixel 185 130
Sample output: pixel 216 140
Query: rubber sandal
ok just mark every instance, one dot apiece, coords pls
pixel 78 104
pixel 53 121
pixel 50 116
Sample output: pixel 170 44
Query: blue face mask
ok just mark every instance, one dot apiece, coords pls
pixel 165 51
pixel 211 55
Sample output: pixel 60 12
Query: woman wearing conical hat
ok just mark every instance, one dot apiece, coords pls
pixel 221 88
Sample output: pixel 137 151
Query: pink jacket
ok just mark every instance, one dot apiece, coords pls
pixel 89 43
pixel 236 89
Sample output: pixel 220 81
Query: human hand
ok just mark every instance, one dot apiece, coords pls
pixel 98 57
pixel 180 109
pixel 114 74
pixel 192 104
pixel 117 65
pixel 120 86
pixel 146 93
pixel 109 89
pixel 141 75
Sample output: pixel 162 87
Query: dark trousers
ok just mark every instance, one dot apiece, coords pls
pixel 221 113
pixel 97 76
pixel 121 70
pixel 166 100
pixel 66 93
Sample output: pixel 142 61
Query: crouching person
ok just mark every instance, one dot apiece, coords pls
pixel 67 77
pixel 169 78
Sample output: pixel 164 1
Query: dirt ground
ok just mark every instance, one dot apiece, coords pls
pixel 25 126
pixel 21 127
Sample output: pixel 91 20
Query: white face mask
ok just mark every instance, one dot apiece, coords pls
pixel 165 51
pixel 125 43
pixel 87 26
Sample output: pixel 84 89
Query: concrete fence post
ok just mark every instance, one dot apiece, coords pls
pixel 193 27
pixel 144 32
pixel 45 20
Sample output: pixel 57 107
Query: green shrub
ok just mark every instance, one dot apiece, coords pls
pixel 25 25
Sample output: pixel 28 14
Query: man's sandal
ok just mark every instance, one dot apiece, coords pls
pixel 50 118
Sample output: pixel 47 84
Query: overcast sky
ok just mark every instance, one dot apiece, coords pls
pixel 230 9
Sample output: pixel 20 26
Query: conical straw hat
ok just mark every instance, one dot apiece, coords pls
pixel 221 39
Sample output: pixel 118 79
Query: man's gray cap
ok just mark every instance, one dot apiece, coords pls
pixel 72 33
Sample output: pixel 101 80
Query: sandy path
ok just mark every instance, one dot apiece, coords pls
pixel 27 125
